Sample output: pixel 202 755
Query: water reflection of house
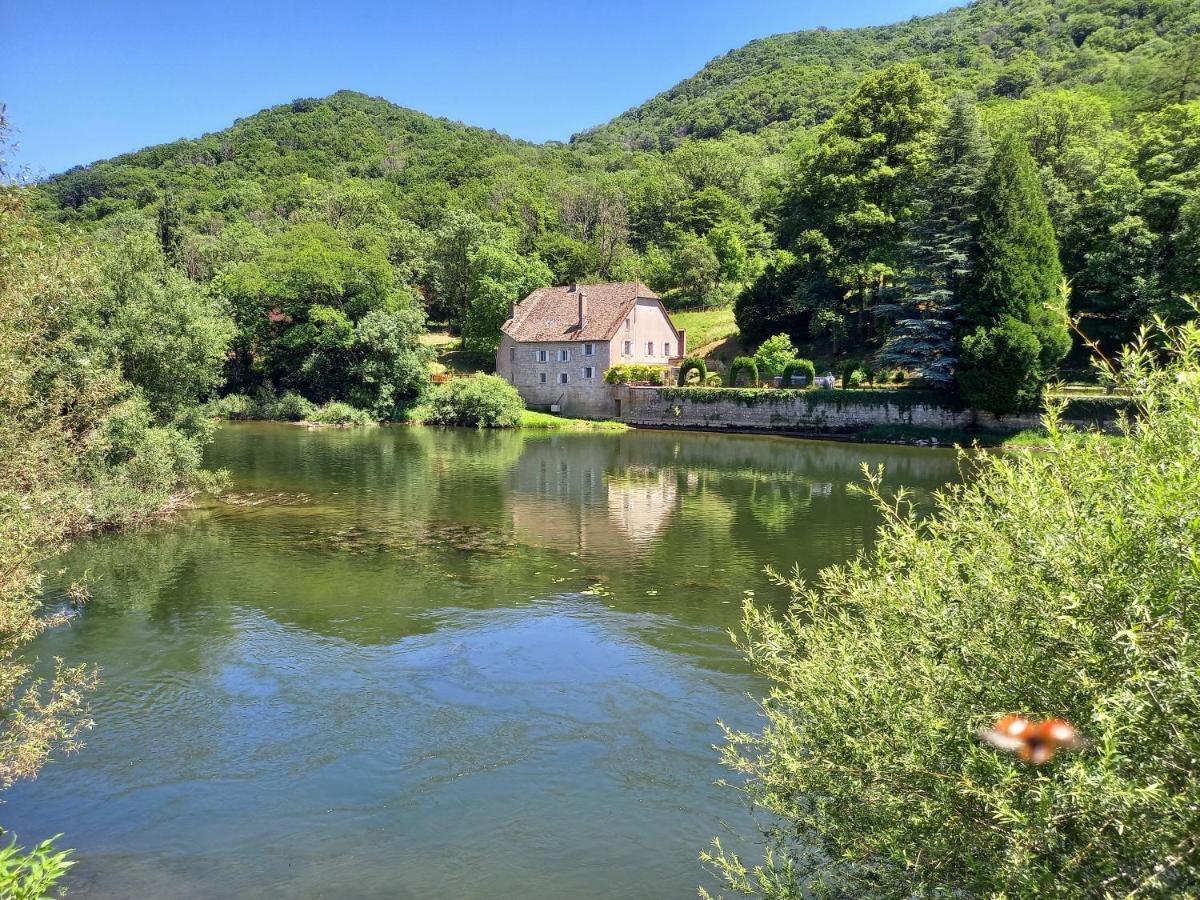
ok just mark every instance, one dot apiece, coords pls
pixel 587 502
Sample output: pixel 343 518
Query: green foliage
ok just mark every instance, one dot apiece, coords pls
pixel 103 350
pixel 337 413
pixel 690 365
pixel 30 875
pixel 500 278
pixel 1013 300
pixel 1051 584
pixel 1000 368
pixel 850 372
pixel 785 84
pixel 1015 269
pixel 482 401
pixel 266 404
pixel 773 354
pixel 743 365
pixel 635 373
pixel 802 367
pixel 940 243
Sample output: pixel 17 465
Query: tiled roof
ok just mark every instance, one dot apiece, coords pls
pixel 552 314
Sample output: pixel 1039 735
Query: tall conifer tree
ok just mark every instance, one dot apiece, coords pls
pixel 923 338
pixel 1013 297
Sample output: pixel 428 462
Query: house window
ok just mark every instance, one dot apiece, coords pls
pixel 589 349
pixel 628 348
pixel 512 354
pixel 562 378
pixel 649 348
pixel 564 355
pixel 541 377
pixel 541 355
pixel 666 348
pixel 626 324
pixel 589 372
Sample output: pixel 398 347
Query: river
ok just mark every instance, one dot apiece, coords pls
pixel 407 662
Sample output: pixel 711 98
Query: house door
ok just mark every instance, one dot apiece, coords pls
pixel 618 403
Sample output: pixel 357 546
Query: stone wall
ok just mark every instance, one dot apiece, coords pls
pixel 813 411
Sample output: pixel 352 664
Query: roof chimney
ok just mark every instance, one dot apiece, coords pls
pixel 583 310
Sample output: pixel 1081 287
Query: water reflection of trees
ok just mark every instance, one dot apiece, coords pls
pixel 399 525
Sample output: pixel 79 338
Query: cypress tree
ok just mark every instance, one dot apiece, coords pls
pixel 924 335
pixel 1014 292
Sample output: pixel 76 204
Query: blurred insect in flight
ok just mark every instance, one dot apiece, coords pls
pixel 1033 742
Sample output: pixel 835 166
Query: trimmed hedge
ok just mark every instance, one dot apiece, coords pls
pixel 803 367
pixel 1097 408
pixel 903 399
pixel 743 364
pixel 692 364
pixel 624 373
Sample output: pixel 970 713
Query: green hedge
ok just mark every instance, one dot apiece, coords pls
pixel 692 364
pixel 1097 408
pixel 901 399
pixel 624 373
pixel 803 367
pixel 743 364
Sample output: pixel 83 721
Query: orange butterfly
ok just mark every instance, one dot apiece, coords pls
pixel 1033 742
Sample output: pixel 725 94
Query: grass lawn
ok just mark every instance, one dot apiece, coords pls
pixel 549 422
pixel 706 326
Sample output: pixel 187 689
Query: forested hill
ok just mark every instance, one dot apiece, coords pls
pixel 265 158
pixel 993 48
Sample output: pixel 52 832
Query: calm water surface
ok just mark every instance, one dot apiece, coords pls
pixel 420 663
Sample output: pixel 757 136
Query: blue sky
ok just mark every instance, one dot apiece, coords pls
pixel 86 80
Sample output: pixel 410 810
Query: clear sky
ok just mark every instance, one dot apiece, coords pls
pixel 87 79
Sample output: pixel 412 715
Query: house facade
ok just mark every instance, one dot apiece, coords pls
pixel 559 341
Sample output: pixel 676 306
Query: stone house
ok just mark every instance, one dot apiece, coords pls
pixel 560 340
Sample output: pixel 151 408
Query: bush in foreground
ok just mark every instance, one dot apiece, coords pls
pixel 1052 584
pixel 484 401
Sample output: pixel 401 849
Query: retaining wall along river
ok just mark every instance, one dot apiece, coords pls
pixel 833 411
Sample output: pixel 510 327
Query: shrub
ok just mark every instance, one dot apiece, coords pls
pixel 485 401
pixel 802 367
pixel 693 364
pixel 291 407
pixel 713 379
pixel 849 370
pixel 1000 370
pixel 774 353
pixel 1050 584
pixel 233 406
pixel 626 373
pixel 743 365
pixel 337 413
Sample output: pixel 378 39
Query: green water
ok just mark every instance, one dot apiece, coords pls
pixel 419 663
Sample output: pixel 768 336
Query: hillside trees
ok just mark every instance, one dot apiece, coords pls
pixel 324 318
pixel 855 188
